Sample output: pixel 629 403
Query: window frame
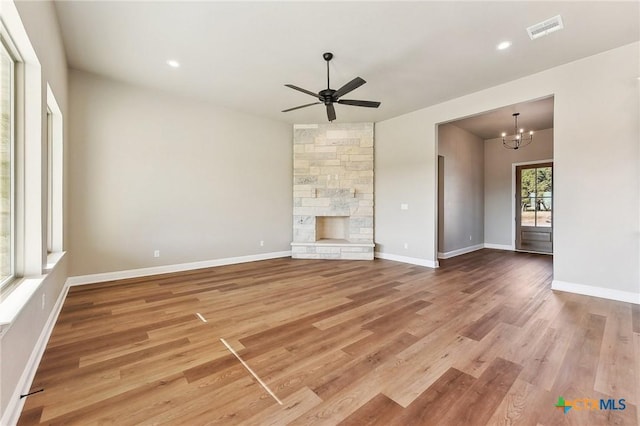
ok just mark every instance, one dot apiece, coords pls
pixel 54 153
pixel 28 195
pixel 7 45
pixel 49 180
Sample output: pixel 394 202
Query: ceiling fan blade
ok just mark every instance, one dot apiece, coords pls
pixel 352 85
pixel 368 104
pixel 331 112
pixel 301 106
pixel 300 89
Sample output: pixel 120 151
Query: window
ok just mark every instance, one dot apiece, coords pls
pixel 7 156
pixel 536 196
pixel 49 180
pixel 54 176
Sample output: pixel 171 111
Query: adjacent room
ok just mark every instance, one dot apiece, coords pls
pixel 389 213
pixel 484 199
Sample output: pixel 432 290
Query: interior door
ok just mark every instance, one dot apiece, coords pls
pixel 534 208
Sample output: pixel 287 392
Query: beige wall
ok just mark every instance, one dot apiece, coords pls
pixel 407 162
pixel 596 127
pixel 462 220
pixel 18 344
pixel 151 171
pixel 498 178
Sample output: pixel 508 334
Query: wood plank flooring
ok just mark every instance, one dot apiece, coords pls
pixel 481 340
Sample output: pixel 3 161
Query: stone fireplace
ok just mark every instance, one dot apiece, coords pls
pixel 333 191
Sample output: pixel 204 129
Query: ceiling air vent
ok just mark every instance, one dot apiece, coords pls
pixel 545 27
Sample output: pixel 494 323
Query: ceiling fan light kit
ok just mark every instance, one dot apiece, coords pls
pixel 329 96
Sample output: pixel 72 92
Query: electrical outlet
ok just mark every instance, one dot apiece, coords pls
pixel 261 243
pixel 44 300
pixel 470 238
pixel 404 206
pixel 406 246
pixel 156 253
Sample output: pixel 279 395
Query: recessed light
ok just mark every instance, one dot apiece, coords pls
pixel 504 45
pixel 173 63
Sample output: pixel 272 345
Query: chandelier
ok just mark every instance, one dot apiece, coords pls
pixel 519 139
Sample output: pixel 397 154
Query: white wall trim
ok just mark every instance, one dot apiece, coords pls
pixel 155 270
pixel 499 246
pixel 458 252
pixel 15 405
pixel 406 259
pixel 589 290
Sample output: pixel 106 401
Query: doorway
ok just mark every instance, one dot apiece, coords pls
pixel 534 207
pixel 476 202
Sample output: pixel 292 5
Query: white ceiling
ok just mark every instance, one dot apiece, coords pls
pixel 534 115
pixel 239 55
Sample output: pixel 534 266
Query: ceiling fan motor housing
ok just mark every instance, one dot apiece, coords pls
pixel 326 96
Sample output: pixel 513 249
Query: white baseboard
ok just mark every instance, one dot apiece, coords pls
pixel 156 270
pixel 589 290
pixel 14 408
pixel 458 252
pixel 406 259
pixel 499 246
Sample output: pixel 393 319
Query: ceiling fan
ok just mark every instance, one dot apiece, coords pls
pixel 329 96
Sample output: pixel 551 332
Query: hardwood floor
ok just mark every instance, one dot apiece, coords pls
pixel 481 340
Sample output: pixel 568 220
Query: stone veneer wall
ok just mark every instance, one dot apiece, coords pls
pixel 333 176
